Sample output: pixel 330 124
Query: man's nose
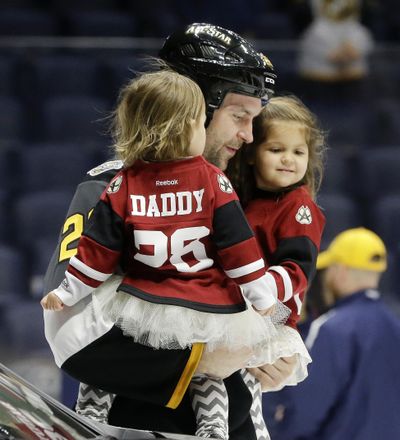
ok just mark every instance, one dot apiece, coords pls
pixel 246 133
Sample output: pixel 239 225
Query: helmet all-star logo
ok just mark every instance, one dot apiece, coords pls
pixel 303 215
pixel 224 184
pixel 115 185
pixel 266 60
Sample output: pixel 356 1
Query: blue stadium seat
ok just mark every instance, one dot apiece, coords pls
pixel 345 121
pixel 40 253
pixel 384 128
pixel 377 172
pixel 118 70
pixel 5 217
pixel 8 82
pixel 75 119
pixel 12 120
pixel 385 219
pixel 336 178
pixel 101 23
pixel 32 22
pixel 40 214
pixel 54 166
pixel 62 6
pixel 13 279
pixel 24 330
pixel 63 74
pixel 341 213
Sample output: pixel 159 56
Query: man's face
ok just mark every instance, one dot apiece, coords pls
pixel 230 127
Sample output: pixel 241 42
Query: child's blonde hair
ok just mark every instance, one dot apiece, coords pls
pixel 280 108
pixel 154 117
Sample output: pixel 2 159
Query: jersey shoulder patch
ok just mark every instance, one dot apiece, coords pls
pixel 106 166
pixel 303 215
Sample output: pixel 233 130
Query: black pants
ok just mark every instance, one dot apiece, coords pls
pixel 144 380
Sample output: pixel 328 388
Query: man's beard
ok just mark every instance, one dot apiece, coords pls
pixel 213 155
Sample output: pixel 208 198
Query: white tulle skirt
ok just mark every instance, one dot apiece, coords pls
pixel 171 327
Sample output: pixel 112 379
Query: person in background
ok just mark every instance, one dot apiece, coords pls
pixel 334 49
pixel 151 384
pixel 353 387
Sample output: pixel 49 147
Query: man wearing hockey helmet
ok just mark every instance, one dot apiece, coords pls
pixel 150 384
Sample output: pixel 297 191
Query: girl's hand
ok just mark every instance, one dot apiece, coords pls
pixel 266 312
pixel 52 302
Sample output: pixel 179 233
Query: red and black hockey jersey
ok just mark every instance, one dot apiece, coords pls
pixel 172 227
pixel 288 227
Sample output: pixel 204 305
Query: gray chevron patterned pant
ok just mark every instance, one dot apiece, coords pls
pixel 94 403
pixel 210 405
pixel 256 408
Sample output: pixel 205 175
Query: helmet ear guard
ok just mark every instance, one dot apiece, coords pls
pixel 221 62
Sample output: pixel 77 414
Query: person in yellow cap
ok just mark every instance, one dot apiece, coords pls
pixel 353 387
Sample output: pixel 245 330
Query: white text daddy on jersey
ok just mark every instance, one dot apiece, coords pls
pixel 167 204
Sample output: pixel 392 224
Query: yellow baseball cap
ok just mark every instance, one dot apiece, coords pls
pixel 358 248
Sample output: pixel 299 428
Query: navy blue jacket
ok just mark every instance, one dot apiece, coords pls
pixel 353 388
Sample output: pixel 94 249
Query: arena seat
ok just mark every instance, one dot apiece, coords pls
pixel 341 212
pixel 74 119
pixel 55 166
pixel 12 119
pixel 40 214
pixel 377 172
pixel 101 23
pixel 52 75
pixel 32 22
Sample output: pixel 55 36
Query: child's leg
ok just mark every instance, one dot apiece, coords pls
pixel 94 403
pixel 256 408
pixel 210 405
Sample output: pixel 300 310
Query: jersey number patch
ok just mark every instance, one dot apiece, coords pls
pixel 182 242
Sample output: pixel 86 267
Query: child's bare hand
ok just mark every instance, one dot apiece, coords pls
pixel 266 312
pixel 52 302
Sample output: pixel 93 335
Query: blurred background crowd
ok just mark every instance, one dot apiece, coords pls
pixel 62 63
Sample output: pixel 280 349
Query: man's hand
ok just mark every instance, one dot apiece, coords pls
pixel 222 362
pixel 271 376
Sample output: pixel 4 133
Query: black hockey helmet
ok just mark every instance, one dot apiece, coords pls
pixel 220 61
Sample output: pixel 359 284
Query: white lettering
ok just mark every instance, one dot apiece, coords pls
pixel 167 204
pixel 198 195
pixel 152 210
pixel 184 198
pixel 210 30
pixel 166 212
pixel 136 201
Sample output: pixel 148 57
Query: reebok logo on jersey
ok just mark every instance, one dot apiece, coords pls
pixel 303 215
pixel 224 184
pixel 167 182
pixel 115 185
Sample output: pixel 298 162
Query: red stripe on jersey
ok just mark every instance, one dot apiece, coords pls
pixel 95 255
pixel 82 277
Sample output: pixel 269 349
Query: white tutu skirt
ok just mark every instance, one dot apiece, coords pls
pixel 172 327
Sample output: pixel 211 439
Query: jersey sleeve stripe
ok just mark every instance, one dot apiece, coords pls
pixel 88 271
pixel 287 283
pixel 245 270
pixel 72 290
